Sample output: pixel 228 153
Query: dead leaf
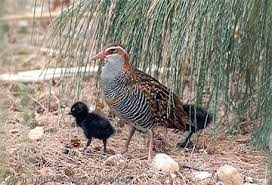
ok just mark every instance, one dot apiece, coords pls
pixel 75 142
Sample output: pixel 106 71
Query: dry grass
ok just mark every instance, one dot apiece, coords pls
pixel 45 160
pixel 3 154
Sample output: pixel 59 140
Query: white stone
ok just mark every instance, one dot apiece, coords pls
pixel 115 160
pixel 36 133
pixel 23 24
pixel 165 163
pixel 202 175
pixel 228 175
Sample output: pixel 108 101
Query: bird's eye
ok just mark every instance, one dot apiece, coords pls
pixel 112 51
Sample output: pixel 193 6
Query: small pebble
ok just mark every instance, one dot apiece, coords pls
pixel 115 160
pixel 228 175
pixel 202 175
pixel 165 163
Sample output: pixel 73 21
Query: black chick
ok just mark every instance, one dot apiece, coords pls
pixel 203 118
pixel 93 124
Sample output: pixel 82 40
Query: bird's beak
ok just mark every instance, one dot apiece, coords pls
pixel 102 55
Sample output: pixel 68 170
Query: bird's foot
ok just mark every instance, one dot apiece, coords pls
pixel 85 150
pixel 101 153
pixel 185 144
pixel 104 152
pixel 149 157
pixel 66 149
pixel 123 151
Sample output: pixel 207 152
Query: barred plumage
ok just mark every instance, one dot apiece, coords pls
pixel 127 102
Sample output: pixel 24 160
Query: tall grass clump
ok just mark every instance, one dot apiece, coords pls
pixel 220 50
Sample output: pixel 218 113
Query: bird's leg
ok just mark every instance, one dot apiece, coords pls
pixel 131 133
pixel 87 144
pixel 186 142
pixel 198 135
pixel 105 145
pixel 150 147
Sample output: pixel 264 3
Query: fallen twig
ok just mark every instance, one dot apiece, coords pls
pixel 193 168
pixel 28 16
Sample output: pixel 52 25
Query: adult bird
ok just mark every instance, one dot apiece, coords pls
pixel 136 97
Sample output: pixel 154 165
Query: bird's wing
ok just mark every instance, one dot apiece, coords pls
pixel 101 119
pixel 166 106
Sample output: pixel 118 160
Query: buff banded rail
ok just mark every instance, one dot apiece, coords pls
pixel 137 98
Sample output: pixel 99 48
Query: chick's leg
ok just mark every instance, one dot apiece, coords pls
pixel 87 145
pixel 187 142
pixel 105 145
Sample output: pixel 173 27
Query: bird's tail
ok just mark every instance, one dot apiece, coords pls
pixel 198 115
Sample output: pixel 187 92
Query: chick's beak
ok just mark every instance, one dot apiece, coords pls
pixel 102 55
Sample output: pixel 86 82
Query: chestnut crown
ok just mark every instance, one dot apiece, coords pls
pixel 113 49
